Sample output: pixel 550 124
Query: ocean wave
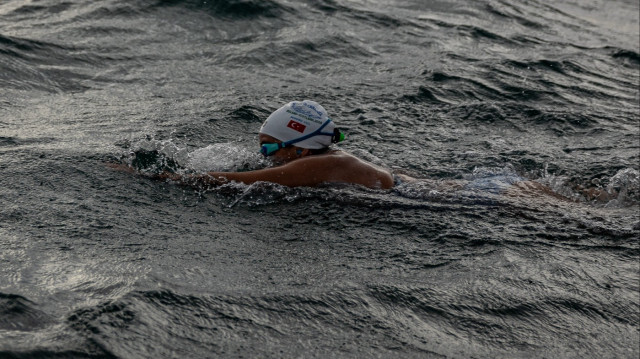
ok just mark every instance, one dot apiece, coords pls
pixel 501 304
pixel 450 89
pixel 376 19
pixel 511 12
pixel 411 316
pixel 21 314
pixel 230 9
pixel 17 142
pixel 29 10
pixel 301 53
pixel 216 323
pixel 39 65
pixel 627 57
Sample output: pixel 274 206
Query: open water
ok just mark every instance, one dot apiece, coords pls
pixel 97 263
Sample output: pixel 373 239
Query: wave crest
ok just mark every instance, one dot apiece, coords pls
pixel 232 9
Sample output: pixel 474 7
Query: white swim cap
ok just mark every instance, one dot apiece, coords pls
pixel 297 119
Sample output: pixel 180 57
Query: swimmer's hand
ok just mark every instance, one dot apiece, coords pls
pixel 206 180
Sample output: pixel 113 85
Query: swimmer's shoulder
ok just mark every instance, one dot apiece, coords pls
pixel 346 160
pixel 333 157
pixel 341 166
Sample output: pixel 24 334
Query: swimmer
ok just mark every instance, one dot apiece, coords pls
pixel 297 138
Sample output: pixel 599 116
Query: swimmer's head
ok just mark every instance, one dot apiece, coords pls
pixel 307 121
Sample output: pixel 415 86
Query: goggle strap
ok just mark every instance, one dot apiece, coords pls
pixel 312 134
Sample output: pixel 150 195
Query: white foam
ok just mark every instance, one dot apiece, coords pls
pixel 229 157
pixel 484 172
pixel 625 187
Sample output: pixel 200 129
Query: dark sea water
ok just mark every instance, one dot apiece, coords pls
pixel 97 263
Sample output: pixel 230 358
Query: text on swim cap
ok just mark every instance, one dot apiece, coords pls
pixel 302 115
pixel 307 109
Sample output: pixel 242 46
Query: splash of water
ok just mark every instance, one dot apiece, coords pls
pixel 228 157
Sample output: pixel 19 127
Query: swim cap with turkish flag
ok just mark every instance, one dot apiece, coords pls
pixel 297 119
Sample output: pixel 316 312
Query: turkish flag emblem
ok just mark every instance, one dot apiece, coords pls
pixel 296 126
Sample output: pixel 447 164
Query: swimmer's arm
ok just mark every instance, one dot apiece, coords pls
pixel 210 179
pixel 315 170
pixel 307 172
pixel 283 176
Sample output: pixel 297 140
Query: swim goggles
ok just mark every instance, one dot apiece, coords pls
pixel 268 149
